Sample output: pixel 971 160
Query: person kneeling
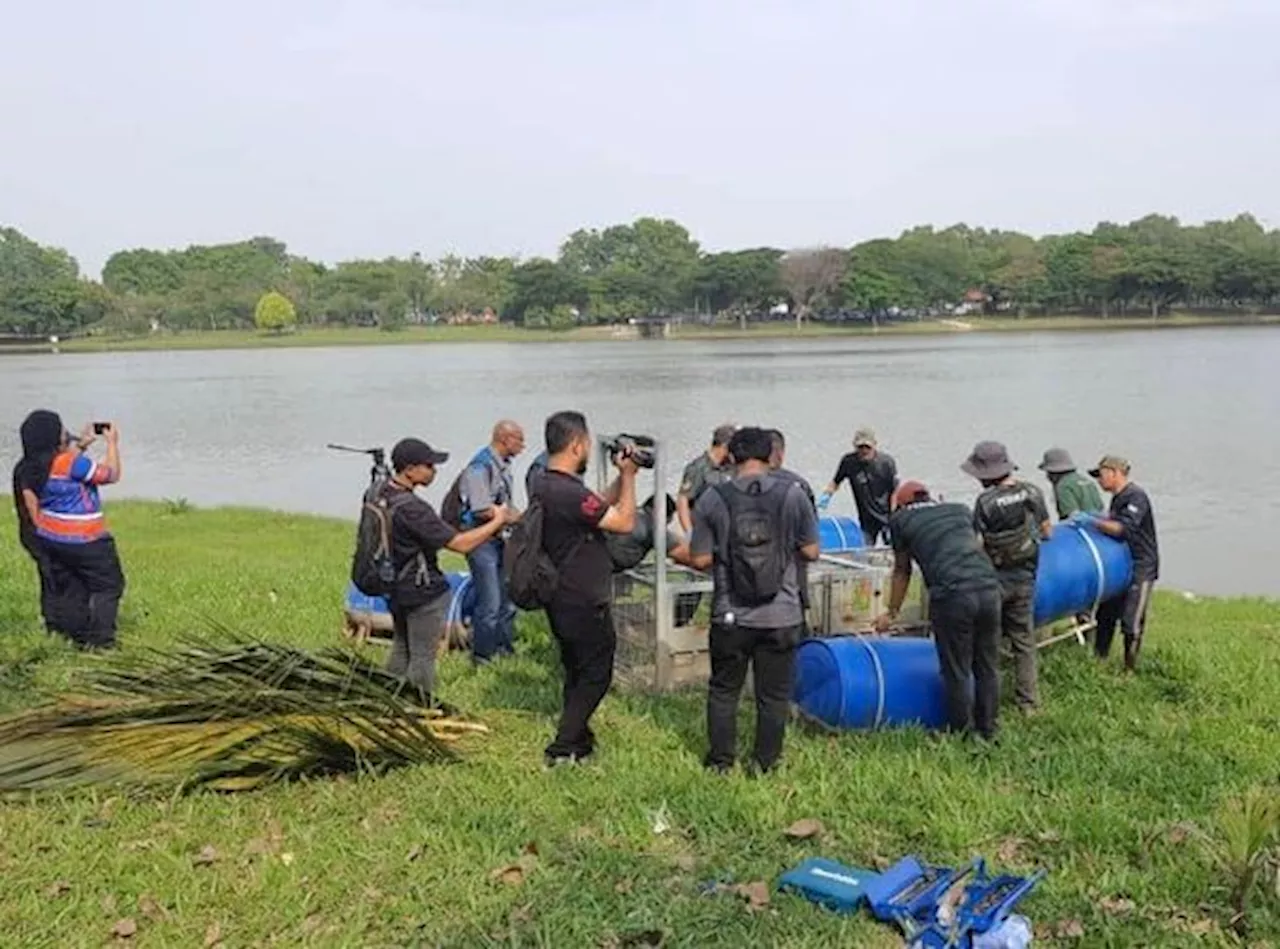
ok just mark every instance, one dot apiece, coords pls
pixel 751 533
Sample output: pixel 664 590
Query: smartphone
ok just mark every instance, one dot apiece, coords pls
pixel 100 428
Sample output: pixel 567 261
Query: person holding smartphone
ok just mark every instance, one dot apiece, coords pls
pixel 58 487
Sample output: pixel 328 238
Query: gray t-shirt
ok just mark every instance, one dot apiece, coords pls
pixel 711 536
pixel 486 481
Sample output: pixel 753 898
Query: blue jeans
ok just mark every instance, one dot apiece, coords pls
pixel 492 625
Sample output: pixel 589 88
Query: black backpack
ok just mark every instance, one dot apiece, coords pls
pixel 757 555
pixel 532 578
pixel 373 569
pixel 451 506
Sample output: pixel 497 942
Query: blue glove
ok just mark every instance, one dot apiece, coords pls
pixel 824 501
pixel 1083 519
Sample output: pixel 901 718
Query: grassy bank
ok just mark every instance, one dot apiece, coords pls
pixel 419 335
pixel 1104 789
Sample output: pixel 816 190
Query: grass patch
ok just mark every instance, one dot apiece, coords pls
pixel 1110 789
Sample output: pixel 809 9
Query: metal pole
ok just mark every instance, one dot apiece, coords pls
pixel 662 607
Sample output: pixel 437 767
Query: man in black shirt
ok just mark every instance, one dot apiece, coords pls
pixel 420 597
pixel 1011 518
pixel 964 600
pixel 1131 520
pixel 579 613
pixel 872 475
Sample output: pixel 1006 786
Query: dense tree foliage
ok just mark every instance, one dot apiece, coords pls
pixel 654 267
pixel 274 313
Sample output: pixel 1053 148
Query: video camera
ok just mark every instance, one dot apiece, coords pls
pixel 639 447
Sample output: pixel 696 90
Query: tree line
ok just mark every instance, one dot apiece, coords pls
pixel 651 268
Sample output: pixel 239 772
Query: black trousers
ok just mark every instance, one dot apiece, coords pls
pixel 1129 610
pixel 874 533
pixel 587 641
pixel 89 583
pixel 966 631
pixel 771 653
pixel 63 599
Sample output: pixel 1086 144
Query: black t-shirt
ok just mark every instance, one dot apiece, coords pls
pixel 26 530
pixel 1132 508
pixel 572 539
pixel 872 483
pixel 1008 516
pixel 417 536
pixel 941 539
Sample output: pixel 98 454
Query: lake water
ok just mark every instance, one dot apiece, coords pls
pixel 1196 411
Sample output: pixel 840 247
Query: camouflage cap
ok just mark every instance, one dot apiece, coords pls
pixel 723 433
pixel 1114 462
pixel 864 438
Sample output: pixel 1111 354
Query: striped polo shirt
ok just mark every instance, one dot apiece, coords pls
pixel 70 508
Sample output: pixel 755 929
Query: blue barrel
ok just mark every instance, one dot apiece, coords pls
pixel 461 604
pixel 1077 563
pixel 838 534
pixel 870 682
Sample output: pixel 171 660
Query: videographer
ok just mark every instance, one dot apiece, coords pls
pixel 60 517
pixel 580 613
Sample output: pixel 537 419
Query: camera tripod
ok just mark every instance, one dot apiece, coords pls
pixel 378 471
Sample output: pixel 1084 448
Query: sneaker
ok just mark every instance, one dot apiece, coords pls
pixel 559 761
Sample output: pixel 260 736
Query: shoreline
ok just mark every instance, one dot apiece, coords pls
pixel 312 337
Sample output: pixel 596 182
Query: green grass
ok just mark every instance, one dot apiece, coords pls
pixel 367 336
pixel 1100 789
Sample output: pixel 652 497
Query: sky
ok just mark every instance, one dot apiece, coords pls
pixel 384 127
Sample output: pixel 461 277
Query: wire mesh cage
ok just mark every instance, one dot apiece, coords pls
pixel 663 616
pixel 662 639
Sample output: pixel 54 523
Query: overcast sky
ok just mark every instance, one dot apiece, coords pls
pixel 499 126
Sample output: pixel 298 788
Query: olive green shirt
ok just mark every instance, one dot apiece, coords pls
pixel 700 474
pixel 1074 492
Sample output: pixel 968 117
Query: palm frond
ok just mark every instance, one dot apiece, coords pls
pixel 230 713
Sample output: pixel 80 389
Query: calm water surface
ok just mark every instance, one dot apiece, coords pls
pixel 1195 410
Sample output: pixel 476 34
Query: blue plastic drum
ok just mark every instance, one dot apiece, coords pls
pixel 839 534
pixel 870 682
pixel 1079 567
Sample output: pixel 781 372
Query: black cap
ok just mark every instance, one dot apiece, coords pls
pixel 414 451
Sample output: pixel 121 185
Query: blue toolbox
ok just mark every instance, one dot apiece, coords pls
pixel 829 884
pixel 986 903
pixel 934 907
pixel 908 892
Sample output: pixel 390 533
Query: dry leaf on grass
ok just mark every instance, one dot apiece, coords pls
pixel 1118 906
pixel 213 935
pixel 1179 832
pixel 622 887
pixel 312 923
pixel 1048 837
pixel 514 874
pixel 207 856
pixel 805 829
pixel 286 859
pixel 124 929
pixel 1010 849
pixel 56 889
pixel 1069 929
pixel 756 894
pixel 414 853
pixel 151 908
